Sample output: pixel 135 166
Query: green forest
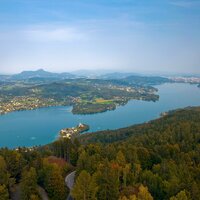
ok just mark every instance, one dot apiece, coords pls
pixel 157 160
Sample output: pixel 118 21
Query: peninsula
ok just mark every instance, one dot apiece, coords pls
pixel 74 131
pixel 87 96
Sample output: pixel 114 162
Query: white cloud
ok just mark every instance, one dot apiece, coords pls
pixel 53 34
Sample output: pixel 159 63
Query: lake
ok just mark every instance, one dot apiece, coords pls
pixel 38 127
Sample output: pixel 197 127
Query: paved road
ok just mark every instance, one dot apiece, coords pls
pixel 69 180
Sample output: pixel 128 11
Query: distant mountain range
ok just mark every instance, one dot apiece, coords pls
pixel 117 77
pixel 103 74
pixel 146 80
pixel 38 75
pixel 42 74
pixel 91 73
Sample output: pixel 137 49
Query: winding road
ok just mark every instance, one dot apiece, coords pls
pixel 69 180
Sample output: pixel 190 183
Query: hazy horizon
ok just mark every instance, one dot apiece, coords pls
pixel 117 35
pixel 89 72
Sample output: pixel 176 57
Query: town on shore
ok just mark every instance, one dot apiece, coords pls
pixel 71 133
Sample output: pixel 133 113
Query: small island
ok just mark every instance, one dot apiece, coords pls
pixel 74 131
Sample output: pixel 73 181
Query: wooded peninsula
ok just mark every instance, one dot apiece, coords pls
pixel 87 96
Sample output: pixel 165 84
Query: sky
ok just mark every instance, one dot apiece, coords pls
pixel 120 35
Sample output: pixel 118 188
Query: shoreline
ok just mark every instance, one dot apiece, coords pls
pixel 167 113
pixel 134 108
pixel 110 107
pixel 116 105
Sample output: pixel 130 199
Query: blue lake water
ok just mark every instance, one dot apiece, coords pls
pixel 37 127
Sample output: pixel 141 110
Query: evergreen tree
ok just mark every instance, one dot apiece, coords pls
pixel 180 196
pixel 54 182
pixel 154 183
pixel 28 184
pixel 144 194
pixel 120 159
pixel 108 181
pixel 84 162
pixel 4 195
pixel 85 187
pixel 4 176
pixel 125 170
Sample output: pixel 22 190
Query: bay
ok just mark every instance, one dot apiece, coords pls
pixel 41 126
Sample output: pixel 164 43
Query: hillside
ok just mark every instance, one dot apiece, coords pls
pixel 156 160
pixel 162 155
pixel 147 80
pixel 87 96
pixel 188 114
pixel 41 74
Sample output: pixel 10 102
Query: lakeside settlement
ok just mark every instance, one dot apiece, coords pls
pixel 74 131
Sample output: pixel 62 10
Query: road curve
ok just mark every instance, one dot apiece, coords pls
pixel 69 181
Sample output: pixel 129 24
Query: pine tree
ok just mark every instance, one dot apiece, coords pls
pixel 4 176
pixel 180 196
pixel 85 162
pixel 144 194
pixel 54 182
pixel 126 170
pixel 28 184
pixel 4 195
pixel 108 181
pixel 15 163
pixel 85 187
pixel 120 159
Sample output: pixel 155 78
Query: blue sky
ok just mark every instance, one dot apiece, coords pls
pixel 122 35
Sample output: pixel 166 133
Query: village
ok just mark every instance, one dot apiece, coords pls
pixel 25 103
pixel 74 131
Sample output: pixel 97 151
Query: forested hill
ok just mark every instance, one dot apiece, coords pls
pixel 158 160
pixel 172 119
